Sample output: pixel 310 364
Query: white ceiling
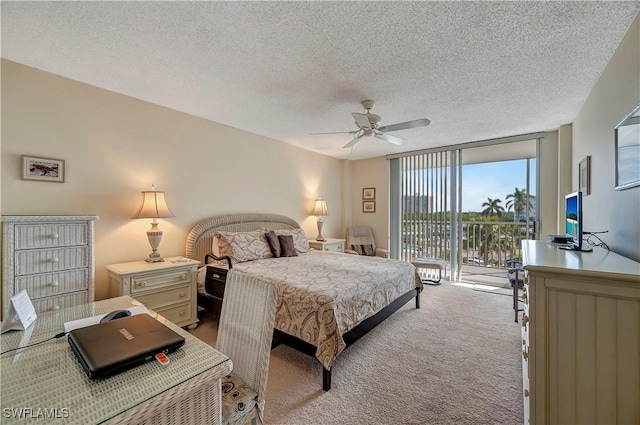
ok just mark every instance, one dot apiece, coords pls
pixel 477 70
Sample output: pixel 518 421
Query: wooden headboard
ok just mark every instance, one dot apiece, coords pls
pixel 200 238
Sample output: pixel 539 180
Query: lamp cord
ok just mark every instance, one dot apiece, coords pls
pixel 56 336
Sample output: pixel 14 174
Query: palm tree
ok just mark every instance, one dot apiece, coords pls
pixel 520 201
pixel 492 206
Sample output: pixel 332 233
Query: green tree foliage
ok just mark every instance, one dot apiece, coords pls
pixel 492 206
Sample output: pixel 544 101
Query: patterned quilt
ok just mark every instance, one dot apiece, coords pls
pixel 325 294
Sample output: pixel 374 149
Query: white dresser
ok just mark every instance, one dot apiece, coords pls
pixel 580 336
pixel 51 256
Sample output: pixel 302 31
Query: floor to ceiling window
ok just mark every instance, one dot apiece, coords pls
pixel 470 206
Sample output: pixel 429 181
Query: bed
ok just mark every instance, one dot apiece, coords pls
pixel 327 300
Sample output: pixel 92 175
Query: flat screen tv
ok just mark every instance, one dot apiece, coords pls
pixel 573 220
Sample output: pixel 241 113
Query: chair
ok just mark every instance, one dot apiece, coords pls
pixel 516 280
pixel 245 332
pixel 360 241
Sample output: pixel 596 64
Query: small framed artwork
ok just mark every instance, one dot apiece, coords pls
pixel 369 193
pixel 584 175
pixel 42 169
pixel 368 206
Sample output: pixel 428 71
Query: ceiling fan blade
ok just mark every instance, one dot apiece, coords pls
pixel 353 142
pixel 362 120
pixel 389 138
pixel 335 132
pixel 422 122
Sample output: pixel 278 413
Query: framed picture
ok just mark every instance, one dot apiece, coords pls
pixel 627 146
pixel 368 206
pixel 584 175
pixel 369 193
pixel 42 169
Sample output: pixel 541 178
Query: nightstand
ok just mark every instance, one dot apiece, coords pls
pixel 168 287
pixel 336 245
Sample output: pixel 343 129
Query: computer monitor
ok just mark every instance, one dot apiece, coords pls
pixel 573 220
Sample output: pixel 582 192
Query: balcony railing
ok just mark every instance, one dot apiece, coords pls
pixel 493 244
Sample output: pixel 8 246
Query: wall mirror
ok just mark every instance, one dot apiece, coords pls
pixel 627 139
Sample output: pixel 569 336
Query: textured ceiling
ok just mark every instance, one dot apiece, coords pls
pixel 477 70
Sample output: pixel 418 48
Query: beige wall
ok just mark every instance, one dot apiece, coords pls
pixel 614 96
pixel 116 146
pixel 548 185
pixel 374 173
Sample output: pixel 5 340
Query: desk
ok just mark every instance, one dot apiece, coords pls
pixel 47 381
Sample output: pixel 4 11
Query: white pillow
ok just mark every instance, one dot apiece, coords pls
pixel 243 246
pixel 215 247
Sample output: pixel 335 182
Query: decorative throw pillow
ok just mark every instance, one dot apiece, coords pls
pixel 364 250
pixel 287 246
pixel 237 398
pixel 274 243
pixel 300 240
pixel 243 246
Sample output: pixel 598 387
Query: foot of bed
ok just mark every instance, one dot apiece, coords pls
pixel 326 379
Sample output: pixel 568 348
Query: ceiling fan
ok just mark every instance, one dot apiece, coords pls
pixel 369 125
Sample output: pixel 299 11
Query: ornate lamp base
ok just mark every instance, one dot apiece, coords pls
pixel 155 236
pixel 320 238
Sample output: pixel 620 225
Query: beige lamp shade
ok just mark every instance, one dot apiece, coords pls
pixel 154 206
pixel 320 209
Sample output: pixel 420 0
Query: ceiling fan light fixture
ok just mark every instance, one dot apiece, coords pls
pixel 369 125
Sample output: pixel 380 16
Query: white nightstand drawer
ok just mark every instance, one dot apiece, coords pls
pixel 335 245
pixel 147 282
pixel 51 260
pixel 168 287
pixel 164 298
pixel 43 285
pixel 30 236
pixel 56 303
pixel 179 315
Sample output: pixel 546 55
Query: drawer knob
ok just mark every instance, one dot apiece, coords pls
pixel 55 307
pixel 182 294
pixel 55 236
pixel 525 320
pixel 525 355
pixel 526 393
pixel 54 260
pixel 183 276
pixel 55 283
pixel 524 295
pixel 182 312
pixel 143 284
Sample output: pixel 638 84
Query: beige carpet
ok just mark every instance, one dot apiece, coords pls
pixel 456 360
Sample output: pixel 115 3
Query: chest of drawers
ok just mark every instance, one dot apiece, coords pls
pixel 51 257
pixel 167 287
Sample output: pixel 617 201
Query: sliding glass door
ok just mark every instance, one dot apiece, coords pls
pixel 470 206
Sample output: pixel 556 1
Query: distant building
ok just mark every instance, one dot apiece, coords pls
pixel 522 215
pixel 417 204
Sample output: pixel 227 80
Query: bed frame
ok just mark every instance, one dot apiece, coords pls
pixel 200 240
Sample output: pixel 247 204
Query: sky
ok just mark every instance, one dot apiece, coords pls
pixel 494 180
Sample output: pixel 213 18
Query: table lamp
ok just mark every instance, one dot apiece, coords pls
pixel 320 209
pixel 155 207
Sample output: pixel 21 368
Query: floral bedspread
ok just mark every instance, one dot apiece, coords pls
pixel 325 294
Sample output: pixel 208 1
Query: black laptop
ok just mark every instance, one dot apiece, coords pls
pixel 115 346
